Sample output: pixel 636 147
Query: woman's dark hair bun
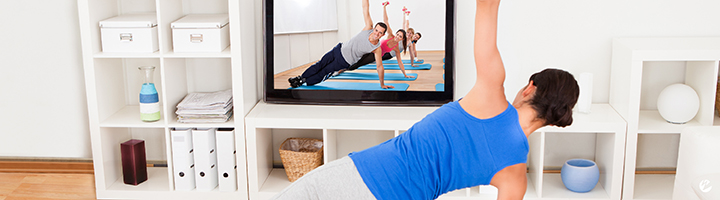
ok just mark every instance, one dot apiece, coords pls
pixel 556 93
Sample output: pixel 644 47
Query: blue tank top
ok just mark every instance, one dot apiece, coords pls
pixel 449 149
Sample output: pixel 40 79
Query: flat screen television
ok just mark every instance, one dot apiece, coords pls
pixel 298 33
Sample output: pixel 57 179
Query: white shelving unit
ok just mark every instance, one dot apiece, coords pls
pixel 113 82
pixel 637 64
pixel 344 129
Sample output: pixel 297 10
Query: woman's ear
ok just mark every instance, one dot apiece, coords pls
pixel 529 90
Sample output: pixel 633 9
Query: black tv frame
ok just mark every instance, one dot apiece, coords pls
pixel 358 97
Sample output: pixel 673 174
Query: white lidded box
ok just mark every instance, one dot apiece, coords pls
pixel 130 33
pixel 201 33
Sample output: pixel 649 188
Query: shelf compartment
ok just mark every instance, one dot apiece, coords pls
pixel 602 148
pixel 700 75
pixel 97 11
pixel 171 10
pixel 264 158
pixel 117 84
pixel 654 186
pixel 190 75
pixel 108 167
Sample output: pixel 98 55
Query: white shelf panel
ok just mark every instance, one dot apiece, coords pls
pixel 157 181
pixel 343 117
pixel 654 186
pixel 129 116
pixel 276 182
pixel 554 188
pixel 229 124
pixel 651 122
pixel 157 187
pixel 226 53
pixel 602 118
pixel 127 55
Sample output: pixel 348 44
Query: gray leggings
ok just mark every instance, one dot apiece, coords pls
pixel 338 179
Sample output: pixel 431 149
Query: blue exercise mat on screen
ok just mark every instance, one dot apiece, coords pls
pixel 394 61
pixel 374 76
pixel 397 67
pixel 440 87
pixel 333 85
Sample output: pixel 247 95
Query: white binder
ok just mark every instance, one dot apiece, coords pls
pixel 183 163
pixel 205 154
pixel 227 166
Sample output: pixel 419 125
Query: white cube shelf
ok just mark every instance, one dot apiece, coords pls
pixel 113 84
pixel 345 129
pixel 641 67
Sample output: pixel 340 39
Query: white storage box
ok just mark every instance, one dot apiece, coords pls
pixel 201 33
pixel 130 33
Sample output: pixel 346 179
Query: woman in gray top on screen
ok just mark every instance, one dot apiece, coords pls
pixel 344 55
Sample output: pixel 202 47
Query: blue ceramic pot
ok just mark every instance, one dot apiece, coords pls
pixel 580 175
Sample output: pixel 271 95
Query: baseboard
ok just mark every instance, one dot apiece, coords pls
pixel 64 167
pixel 51 165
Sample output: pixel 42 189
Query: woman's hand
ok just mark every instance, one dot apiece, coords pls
pixel 407 76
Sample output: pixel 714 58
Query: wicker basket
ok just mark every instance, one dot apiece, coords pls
pixel 300 156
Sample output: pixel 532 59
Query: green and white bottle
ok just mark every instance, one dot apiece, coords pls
pixel 149 101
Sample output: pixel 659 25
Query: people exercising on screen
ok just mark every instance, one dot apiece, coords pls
pixel 390 47
pixel 344 54
pixel 480 139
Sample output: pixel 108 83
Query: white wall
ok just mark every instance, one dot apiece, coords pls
pixel 575 35
pixel 426 17
pixel 43 107
pixel 293 50
pixel 43 104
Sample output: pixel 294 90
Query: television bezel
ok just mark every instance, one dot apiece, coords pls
pixel 358 97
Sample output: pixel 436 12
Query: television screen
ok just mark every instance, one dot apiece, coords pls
pixel 324 51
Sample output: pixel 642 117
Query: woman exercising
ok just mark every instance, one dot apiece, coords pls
pixel 480 139
pixel 414 37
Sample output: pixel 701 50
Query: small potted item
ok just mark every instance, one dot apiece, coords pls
pixel 129 33
pixel 580 175
pixel 201 33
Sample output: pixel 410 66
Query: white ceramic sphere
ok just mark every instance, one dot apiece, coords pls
pixel 678 103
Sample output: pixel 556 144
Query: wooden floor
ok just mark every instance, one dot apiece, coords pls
pixel 426 80
pixel 41 186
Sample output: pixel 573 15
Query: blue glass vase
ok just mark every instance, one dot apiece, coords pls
pixel 149 101
pixel 580 175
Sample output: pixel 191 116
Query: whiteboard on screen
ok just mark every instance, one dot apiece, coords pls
pixel 304 16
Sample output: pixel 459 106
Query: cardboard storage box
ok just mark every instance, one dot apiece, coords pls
pixel 201 33
pixel 130 33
